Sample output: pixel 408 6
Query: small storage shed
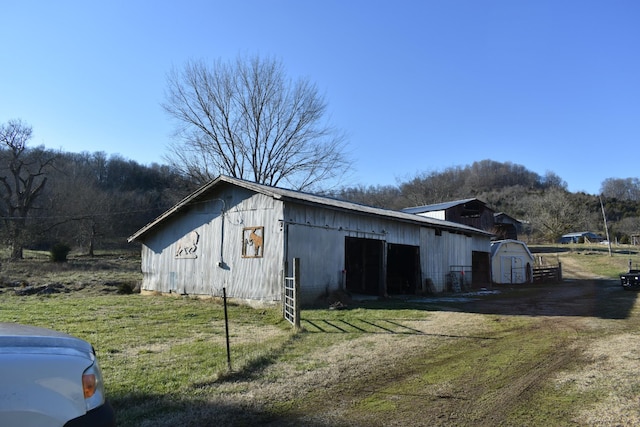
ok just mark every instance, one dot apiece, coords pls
pixel 511 262
pixel 242 236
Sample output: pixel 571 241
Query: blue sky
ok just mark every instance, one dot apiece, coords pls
pixel 418 86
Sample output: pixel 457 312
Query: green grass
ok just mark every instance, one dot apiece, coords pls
pixel 164 357
pixel 481 371
pixel 154 348
pixel 592 258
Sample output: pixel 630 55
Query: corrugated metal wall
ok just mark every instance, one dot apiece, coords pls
pixel 317 237
pixel 218 260
pixel 444 251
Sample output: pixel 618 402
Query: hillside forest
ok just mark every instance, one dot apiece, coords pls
pixel 92 201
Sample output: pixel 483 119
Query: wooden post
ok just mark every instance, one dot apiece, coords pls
pixel 559 272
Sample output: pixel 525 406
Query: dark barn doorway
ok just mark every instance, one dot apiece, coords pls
pixel 480 268
pixel 363 265
pixel 403 269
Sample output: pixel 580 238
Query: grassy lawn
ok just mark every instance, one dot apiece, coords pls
pixel 165 361
pixel 156 352
pixel 591 258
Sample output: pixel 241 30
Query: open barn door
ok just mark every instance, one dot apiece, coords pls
pixel 364 265
pixel 403 269
pixel 481 269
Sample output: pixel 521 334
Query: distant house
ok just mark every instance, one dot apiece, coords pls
pixel 581 236
pixel 242 236
pixel 511 262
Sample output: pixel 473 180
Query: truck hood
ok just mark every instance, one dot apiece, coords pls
pixel 31 339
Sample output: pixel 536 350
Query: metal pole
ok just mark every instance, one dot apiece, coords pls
pixel 296 275
pixel 226 326
pixel 606 227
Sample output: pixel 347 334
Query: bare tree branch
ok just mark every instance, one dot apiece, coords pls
pixel 247 120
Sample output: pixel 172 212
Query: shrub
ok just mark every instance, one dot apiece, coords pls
pixel 128 288
pixel 59 252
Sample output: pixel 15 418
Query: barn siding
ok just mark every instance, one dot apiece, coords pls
pixel 317 237
pixel 321 253
pixel 218 263
pixel 444 251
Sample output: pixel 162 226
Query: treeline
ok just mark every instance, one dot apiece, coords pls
pixel 91 200
pixel 543 203
pixel 86 200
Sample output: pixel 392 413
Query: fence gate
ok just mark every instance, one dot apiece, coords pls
pixel 291 300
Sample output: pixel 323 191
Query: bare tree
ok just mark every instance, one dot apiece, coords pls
pixel 553 180
pixel 628 227
pixel 557 212
pixel 22 179
pixel 621 189
pixel 246 119
pixel 434 187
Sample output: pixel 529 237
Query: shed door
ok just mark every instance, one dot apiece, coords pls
pixel 363 265
pixel 512 269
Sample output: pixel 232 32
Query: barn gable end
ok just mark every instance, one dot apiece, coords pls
pixel 225 255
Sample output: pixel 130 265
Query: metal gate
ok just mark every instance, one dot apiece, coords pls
pixel 291 300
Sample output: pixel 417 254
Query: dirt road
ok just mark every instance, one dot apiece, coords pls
pixel 580 333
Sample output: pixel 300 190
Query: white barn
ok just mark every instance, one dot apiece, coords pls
pixel 242 236
pixel 511 262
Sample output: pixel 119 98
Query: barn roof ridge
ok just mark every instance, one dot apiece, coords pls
pixel 299 196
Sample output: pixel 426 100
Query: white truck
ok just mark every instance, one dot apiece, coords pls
pixel 48 378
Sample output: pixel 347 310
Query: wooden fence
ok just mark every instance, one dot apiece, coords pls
pixel 547 274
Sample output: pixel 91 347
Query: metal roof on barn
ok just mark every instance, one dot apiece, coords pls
pixel 305 198
pixel 438 206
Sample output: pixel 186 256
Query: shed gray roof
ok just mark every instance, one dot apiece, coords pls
pixel 306 198
pixel 496 244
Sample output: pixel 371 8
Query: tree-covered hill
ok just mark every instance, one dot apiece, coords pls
pixel 543 202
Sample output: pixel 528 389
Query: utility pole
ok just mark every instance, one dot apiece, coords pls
pixel 606 228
